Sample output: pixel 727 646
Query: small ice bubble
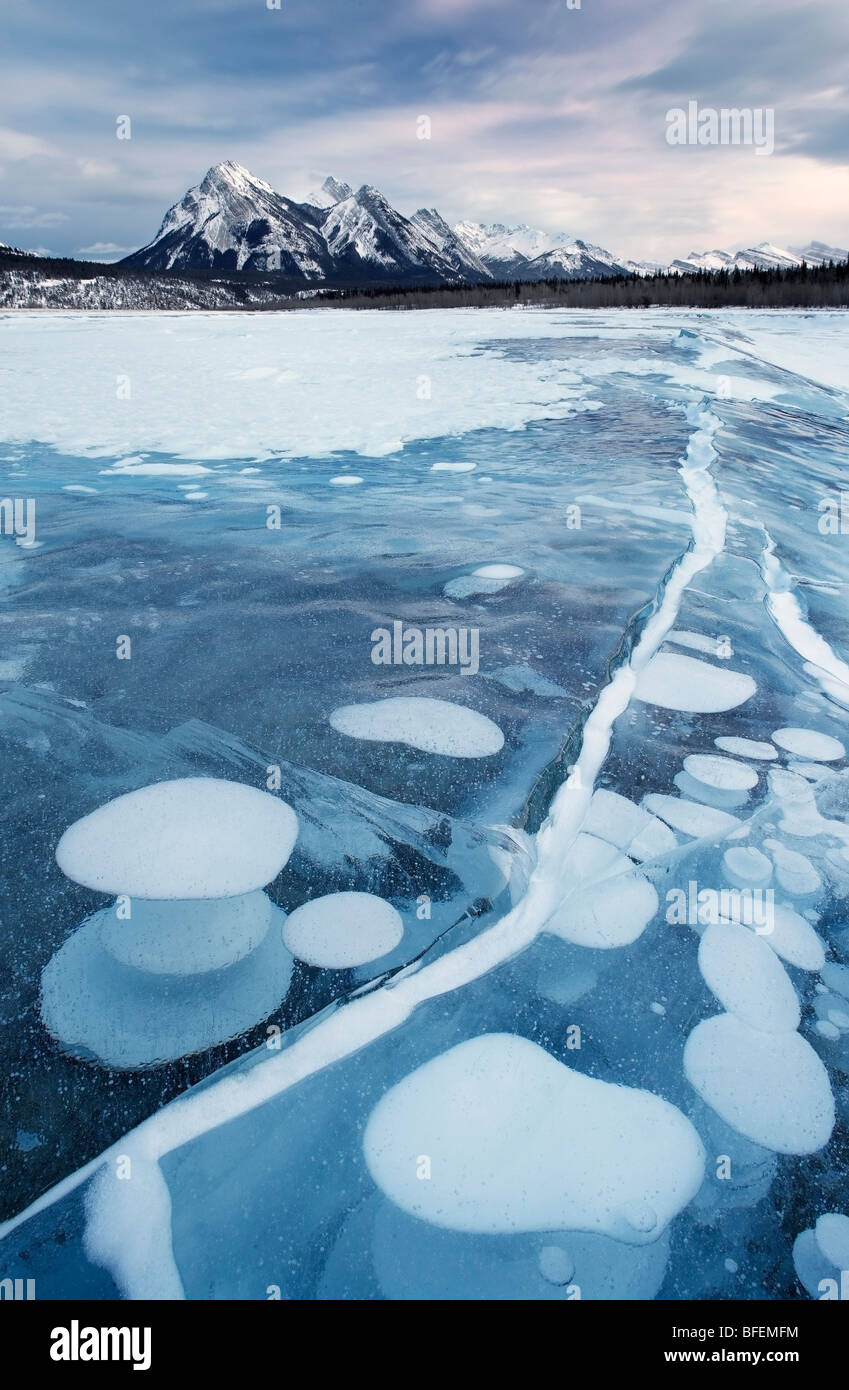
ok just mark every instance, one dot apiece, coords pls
pixel 827 1030
pixel 556 1265
pixel 640 1216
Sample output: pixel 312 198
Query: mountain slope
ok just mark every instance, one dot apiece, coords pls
pixel 817 253
pixel 524 253
pixel 575 262
pixel 460 256
pixel 365 233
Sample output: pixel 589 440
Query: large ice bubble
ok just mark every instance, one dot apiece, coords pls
pixel 519 1142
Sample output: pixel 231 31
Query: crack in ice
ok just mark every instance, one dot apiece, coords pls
pixel 789 616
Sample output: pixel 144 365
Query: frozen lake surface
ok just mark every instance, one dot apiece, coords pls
pixel 538 622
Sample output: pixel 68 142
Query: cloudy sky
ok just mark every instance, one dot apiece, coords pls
pixel 539 113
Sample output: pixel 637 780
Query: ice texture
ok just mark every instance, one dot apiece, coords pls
pixel 702 537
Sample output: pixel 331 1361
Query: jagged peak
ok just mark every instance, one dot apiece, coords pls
pixel 332 191
pixel 235 176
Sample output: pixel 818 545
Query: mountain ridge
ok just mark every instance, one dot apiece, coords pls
pixel 232 221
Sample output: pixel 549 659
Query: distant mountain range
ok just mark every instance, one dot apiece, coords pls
pixel 234 227
pixel 234 221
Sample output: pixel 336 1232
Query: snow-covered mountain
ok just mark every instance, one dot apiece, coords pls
pixel 331 191
pixel 458 253
pixel 234 221
pixel 505 249
pixel 817 253
pixel 578 261
pixel 367 237
pixel 525 253
pixel 762 257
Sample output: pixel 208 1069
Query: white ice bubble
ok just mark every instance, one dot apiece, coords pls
pixel 525 1143
pixel 498 572
pixel 655 839
pixel 463 466
pixel 832 1237
pixel 690 817
pixel 608 914
pixel 696 641
pixel 747 748
pixel 97 1007
pixel 434 726
pixel 157 470
pixel 487 579
pixel 619 821
pixel 341 930
pixel 747 978
pixel 346 480
pixel 812 772
pixel 196 837
pixel 807 743
pixel 683 683
pixel 794 872
pixel 810 1264
pixel 794 939
pixel 827 1030
pixel 720 774
pixel 708 796
pixel 746 867
pixel 771 1087
pixel 191 937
